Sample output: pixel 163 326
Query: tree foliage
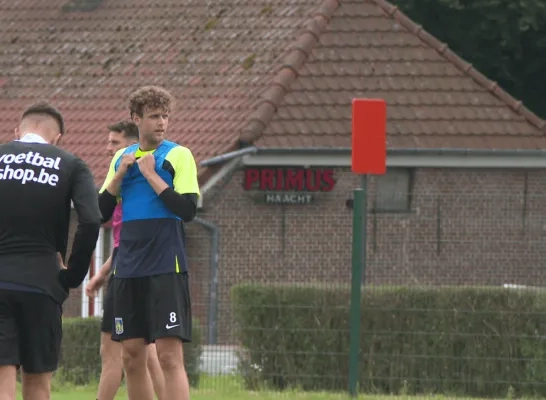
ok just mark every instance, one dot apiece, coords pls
pixel 503 39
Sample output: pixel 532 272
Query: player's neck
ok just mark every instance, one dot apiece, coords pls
pixel 146 146
pixel 34 137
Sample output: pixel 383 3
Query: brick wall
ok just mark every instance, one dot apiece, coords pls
pixel 465 227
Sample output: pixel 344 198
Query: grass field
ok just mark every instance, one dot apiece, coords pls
pixel 217 394
pixel 88 394
pixel 214 388
pixel 227 388
pixel 210 388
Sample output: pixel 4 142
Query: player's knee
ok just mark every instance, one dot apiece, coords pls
pixel 8 375
pixel 170 360
pixel 134 355
pixel 111 357
pixel 131 362
pixel 153 362
pixel 37 386
pixel 110 352
pixel 170 353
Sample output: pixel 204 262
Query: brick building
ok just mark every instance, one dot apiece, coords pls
pixel 264 93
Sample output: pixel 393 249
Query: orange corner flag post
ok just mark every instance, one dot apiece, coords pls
pixel 369 156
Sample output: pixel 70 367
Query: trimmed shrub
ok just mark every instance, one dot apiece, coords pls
pixel 80 361
pixel 451 340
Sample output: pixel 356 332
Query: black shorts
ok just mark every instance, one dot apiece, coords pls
pixel 108 301
pixel 30 331
pixel 108 307
pixel 152 307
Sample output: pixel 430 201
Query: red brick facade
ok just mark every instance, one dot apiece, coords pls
pixel 465 227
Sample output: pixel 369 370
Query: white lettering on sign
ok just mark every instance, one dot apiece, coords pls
pixel 15 167
pixel 288 198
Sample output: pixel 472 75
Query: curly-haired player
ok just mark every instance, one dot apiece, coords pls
pixel 156 182
pixel 121 135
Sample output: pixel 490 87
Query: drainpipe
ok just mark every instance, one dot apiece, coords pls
pixel 213 290
pixel 232 162
pixel 228 156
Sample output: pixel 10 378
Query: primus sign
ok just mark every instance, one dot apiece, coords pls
pixel 289 185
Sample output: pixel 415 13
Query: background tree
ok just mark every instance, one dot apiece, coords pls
pixel 503 39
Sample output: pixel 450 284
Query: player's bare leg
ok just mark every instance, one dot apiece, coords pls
pixel 8 382
pixel 135 358
pixel 158 380
pixel 37 386
pixel 171 359
pixel 112 367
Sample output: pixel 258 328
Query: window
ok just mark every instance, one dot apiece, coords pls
pixel 393 191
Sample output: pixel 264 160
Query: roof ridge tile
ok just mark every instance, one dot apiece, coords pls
pixel 298 53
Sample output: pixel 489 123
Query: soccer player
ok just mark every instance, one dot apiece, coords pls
pixel 156 181
pixel 38 181
pixel 121 135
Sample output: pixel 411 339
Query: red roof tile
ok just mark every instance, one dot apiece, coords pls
pixel 215 59
pixel 270 72
pixel 370 49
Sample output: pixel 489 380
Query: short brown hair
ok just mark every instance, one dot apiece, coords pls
pixel 44 108
pixel 150 97
pixel 128 128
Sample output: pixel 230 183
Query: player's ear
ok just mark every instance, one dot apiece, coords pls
pixel 17 135
pixel 57 139
pixel 136 119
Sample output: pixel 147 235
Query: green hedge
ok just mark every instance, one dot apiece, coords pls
pixel 456 341
pixel 80 361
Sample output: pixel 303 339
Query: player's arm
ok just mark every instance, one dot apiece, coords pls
pixel 108 194
pixel 84 197
pixel 96 282
pixel 60 260
pixel 181 199
pixel 106 267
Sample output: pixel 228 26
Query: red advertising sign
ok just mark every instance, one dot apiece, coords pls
pixel 369 147
pixel 289 185
pixel 289 179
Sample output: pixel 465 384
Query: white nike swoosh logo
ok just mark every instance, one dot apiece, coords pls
pixel 171 326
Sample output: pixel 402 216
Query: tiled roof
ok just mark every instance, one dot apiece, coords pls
pixel 270 72
pixel 216 57
pixel 371 49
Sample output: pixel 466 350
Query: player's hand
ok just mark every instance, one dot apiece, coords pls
pixel 60 260
pixel 94 285
pixel 127 160
pixel 146 164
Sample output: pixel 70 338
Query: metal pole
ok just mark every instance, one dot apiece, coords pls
pixel 364 241
pixel 360 202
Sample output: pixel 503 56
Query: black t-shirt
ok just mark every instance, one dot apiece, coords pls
pixel 38 181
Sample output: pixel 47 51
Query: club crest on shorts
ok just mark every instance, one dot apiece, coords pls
pixel 118 322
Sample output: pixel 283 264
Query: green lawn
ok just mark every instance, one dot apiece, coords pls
pixel 227 388
pixel 210 388
pixel 87 394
